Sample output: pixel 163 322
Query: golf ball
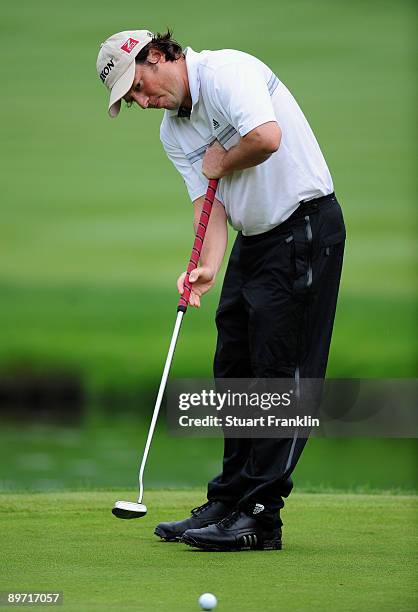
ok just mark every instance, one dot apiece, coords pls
pixel 207 601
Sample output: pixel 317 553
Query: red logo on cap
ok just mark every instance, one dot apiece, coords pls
pixel 130 44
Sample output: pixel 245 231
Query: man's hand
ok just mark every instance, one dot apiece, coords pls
pixel 202 279
pixel 212 166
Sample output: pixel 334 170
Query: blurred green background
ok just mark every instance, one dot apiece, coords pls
pixel 96 227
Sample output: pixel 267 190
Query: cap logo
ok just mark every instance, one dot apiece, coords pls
pixel 129 45
pixel 106 70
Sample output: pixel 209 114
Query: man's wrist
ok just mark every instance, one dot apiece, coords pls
pixel 228 163
pixel 210 269
pixel 224 167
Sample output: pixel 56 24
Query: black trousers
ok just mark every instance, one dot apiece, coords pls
pixel 275 320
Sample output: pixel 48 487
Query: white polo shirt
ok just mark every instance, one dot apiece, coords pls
pixel 233 93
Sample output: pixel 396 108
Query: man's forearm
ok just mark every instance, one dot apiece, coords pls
pixel 243 156
pixel 216 238
pixel 253 149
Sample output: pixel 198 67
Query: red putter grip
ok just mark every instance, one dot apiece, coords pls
pixel 198 243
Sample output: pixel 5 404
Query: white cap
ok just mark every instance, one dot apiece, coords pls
pixel 116 63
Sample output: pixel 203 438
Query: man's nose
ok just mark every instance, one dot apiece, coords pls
pixel 140 99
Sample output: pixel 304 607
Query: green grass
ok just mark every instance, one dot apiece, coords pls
pixel 114 339
pixel 341 552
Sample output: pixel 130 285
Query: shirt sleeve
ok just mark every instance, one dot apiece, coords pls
pixel 196 183
pixel 240 94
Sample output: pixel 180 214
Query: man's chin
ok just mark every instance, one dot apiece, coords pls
pixel 170 106
pixel 166 104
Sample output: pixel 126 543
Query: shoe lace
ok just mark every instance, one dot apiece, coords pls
pixel 229 519
pixel 199 509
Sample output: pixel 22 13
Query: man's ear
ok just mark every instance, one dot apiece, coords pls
pixel 155 56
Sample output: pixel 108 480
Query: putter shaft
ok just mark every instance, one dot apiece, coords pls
pixel 158 401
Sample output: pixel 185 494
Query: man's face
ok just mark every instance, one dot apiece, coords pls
pixel 159 83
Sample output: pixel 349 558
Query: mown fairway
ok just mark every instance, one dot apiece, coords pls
pixel 341 552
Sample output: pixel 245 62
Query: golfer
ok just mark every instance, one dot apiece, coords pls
pixel 229 117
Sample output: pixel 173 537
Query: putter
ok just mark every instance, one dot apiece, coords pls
pixel 130 510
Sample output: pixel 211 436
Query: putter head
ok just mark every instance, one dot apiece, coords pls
pixel 129 510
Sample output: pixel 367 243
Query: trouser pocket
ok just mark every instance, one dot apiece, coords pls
pixel 303 250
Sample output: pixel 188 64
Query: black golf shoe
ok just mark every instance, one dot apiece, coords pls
pixel 211 512
pixel 238 531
